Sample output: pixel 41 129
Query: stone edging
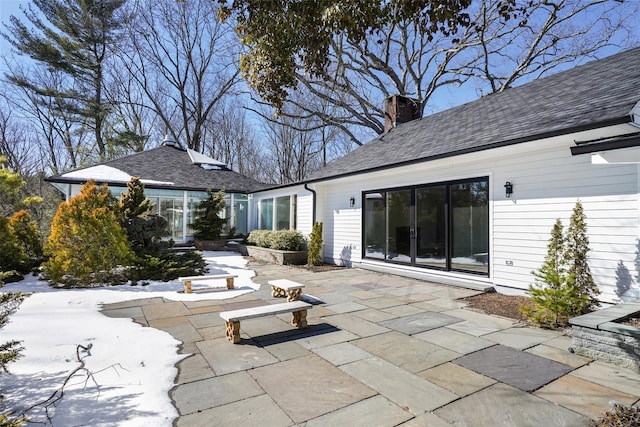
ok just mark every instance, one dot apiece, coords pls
pixel 597 335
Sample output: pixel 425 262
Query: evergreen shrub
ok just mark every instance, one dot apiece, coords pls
pixel 563 286
pixel 285 240
pixel 208 225
pixel 86 238
pixel 314 256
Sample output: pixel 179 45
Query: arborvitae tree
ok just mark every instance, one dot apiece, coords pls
pixel 314 256
pixel 564 287
pixel 549 294
pixel 133 202
pixel 577 247
pixel 208 224
pixel 86 238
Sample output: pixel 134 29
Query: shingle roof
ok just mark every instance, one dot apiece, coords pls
pixel 171 167
pixel 588 96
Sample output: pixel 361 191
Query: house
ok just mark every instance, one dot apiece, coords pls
pixel 176 180
pixel 468 196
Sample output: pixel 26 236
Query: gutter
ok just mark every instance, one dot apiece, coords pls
pixel 313 211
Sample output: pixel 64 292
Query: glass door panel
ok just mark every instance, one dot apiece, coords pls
pixel 171 210
pixel 399 226
pixel 470 226
pixel 431 226
pixel 375 229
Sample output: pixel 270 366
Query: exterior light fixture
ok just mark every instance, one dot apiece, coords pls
pixel 352 201
pixel 508 189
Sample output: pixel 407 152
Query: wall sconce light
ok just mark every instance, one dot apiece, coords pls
pixel 508 189
pixel 352 201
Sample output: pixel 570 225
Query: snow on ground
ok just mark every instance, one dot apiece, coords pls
pixel 132 367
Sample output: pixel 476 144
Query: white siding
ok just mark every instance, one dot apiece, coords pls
pixel 547 182
pixel 304 206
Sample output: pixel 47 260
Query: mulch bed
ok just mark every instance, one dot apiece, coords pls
pixel 499 304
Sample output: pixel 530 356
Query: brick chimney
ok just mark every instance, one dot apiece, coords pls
pixel 399 109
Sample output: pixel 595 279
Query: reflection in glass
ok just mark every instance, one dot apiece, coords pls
pixel 470 226
pixel 266 214
pixel 399 225
pixel 375 229
pixel 283 213
pixel 431 226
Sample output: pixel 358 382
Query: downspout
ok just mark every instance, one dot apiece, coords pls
pixel 313 193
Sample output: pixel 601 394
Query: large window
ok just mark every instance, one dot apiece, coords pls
pixel 283 217
pixel 443 226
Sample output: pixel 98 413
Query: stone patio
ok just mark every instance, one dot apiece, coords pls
pixel 380 350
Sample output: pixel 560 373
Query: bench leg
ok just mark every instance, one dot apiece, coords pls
pixel 299 319
pixel 294 295
pixel 187 287
pixel 230 283
pixel 233 332
pixel 277 292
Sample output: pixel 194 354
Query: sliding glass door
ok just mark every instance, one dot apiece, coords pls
pixel 443 226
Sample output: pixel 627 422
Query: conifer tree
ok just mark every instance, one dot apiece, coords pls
pixel 208 224
pixel 314 255
pixel 134 203
pixel 86 237
pixel 584 289
pixel 72 38
pixel 549 293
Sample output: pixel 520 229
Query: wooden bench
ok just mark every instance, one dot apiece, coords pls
pixel 285 287
pixel 232 318
pixel 189 279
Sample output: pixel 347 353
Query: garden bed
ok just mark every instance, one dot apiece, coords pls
pixel 609 335
pixel 276 256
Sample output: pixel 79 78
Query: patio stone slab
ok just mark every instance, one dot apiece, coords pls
pixel 411 354
pixel 426 420
pixel 260 410
pixel 520 338
pixel 209 393
pixel 286 350
pixel 399 386
pixel 453 340
pixel 342 353
pixel 319 387
pixel 382 302
pixel 206 320
pixel 193 368
pixel 334 337
pixel 165 310
pixel 369 285
pixel 356 325
pixel 403 310
pixel 522 370
pixel 346 307
pixel 375 411
pixel 127 312
pixel 373 315
pixel 615 377
pixel 457 379
pixel 583 396
pixel 503 406
pixel 419 322
pixel 559 355
pixel 226 358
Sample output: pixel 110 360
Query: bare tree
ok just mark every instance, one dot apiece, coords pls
pixel 184 60
pixel 294 155
pixel 490 55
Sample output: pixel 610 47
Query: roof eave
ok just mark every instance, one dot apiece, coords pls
pixel 566 131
